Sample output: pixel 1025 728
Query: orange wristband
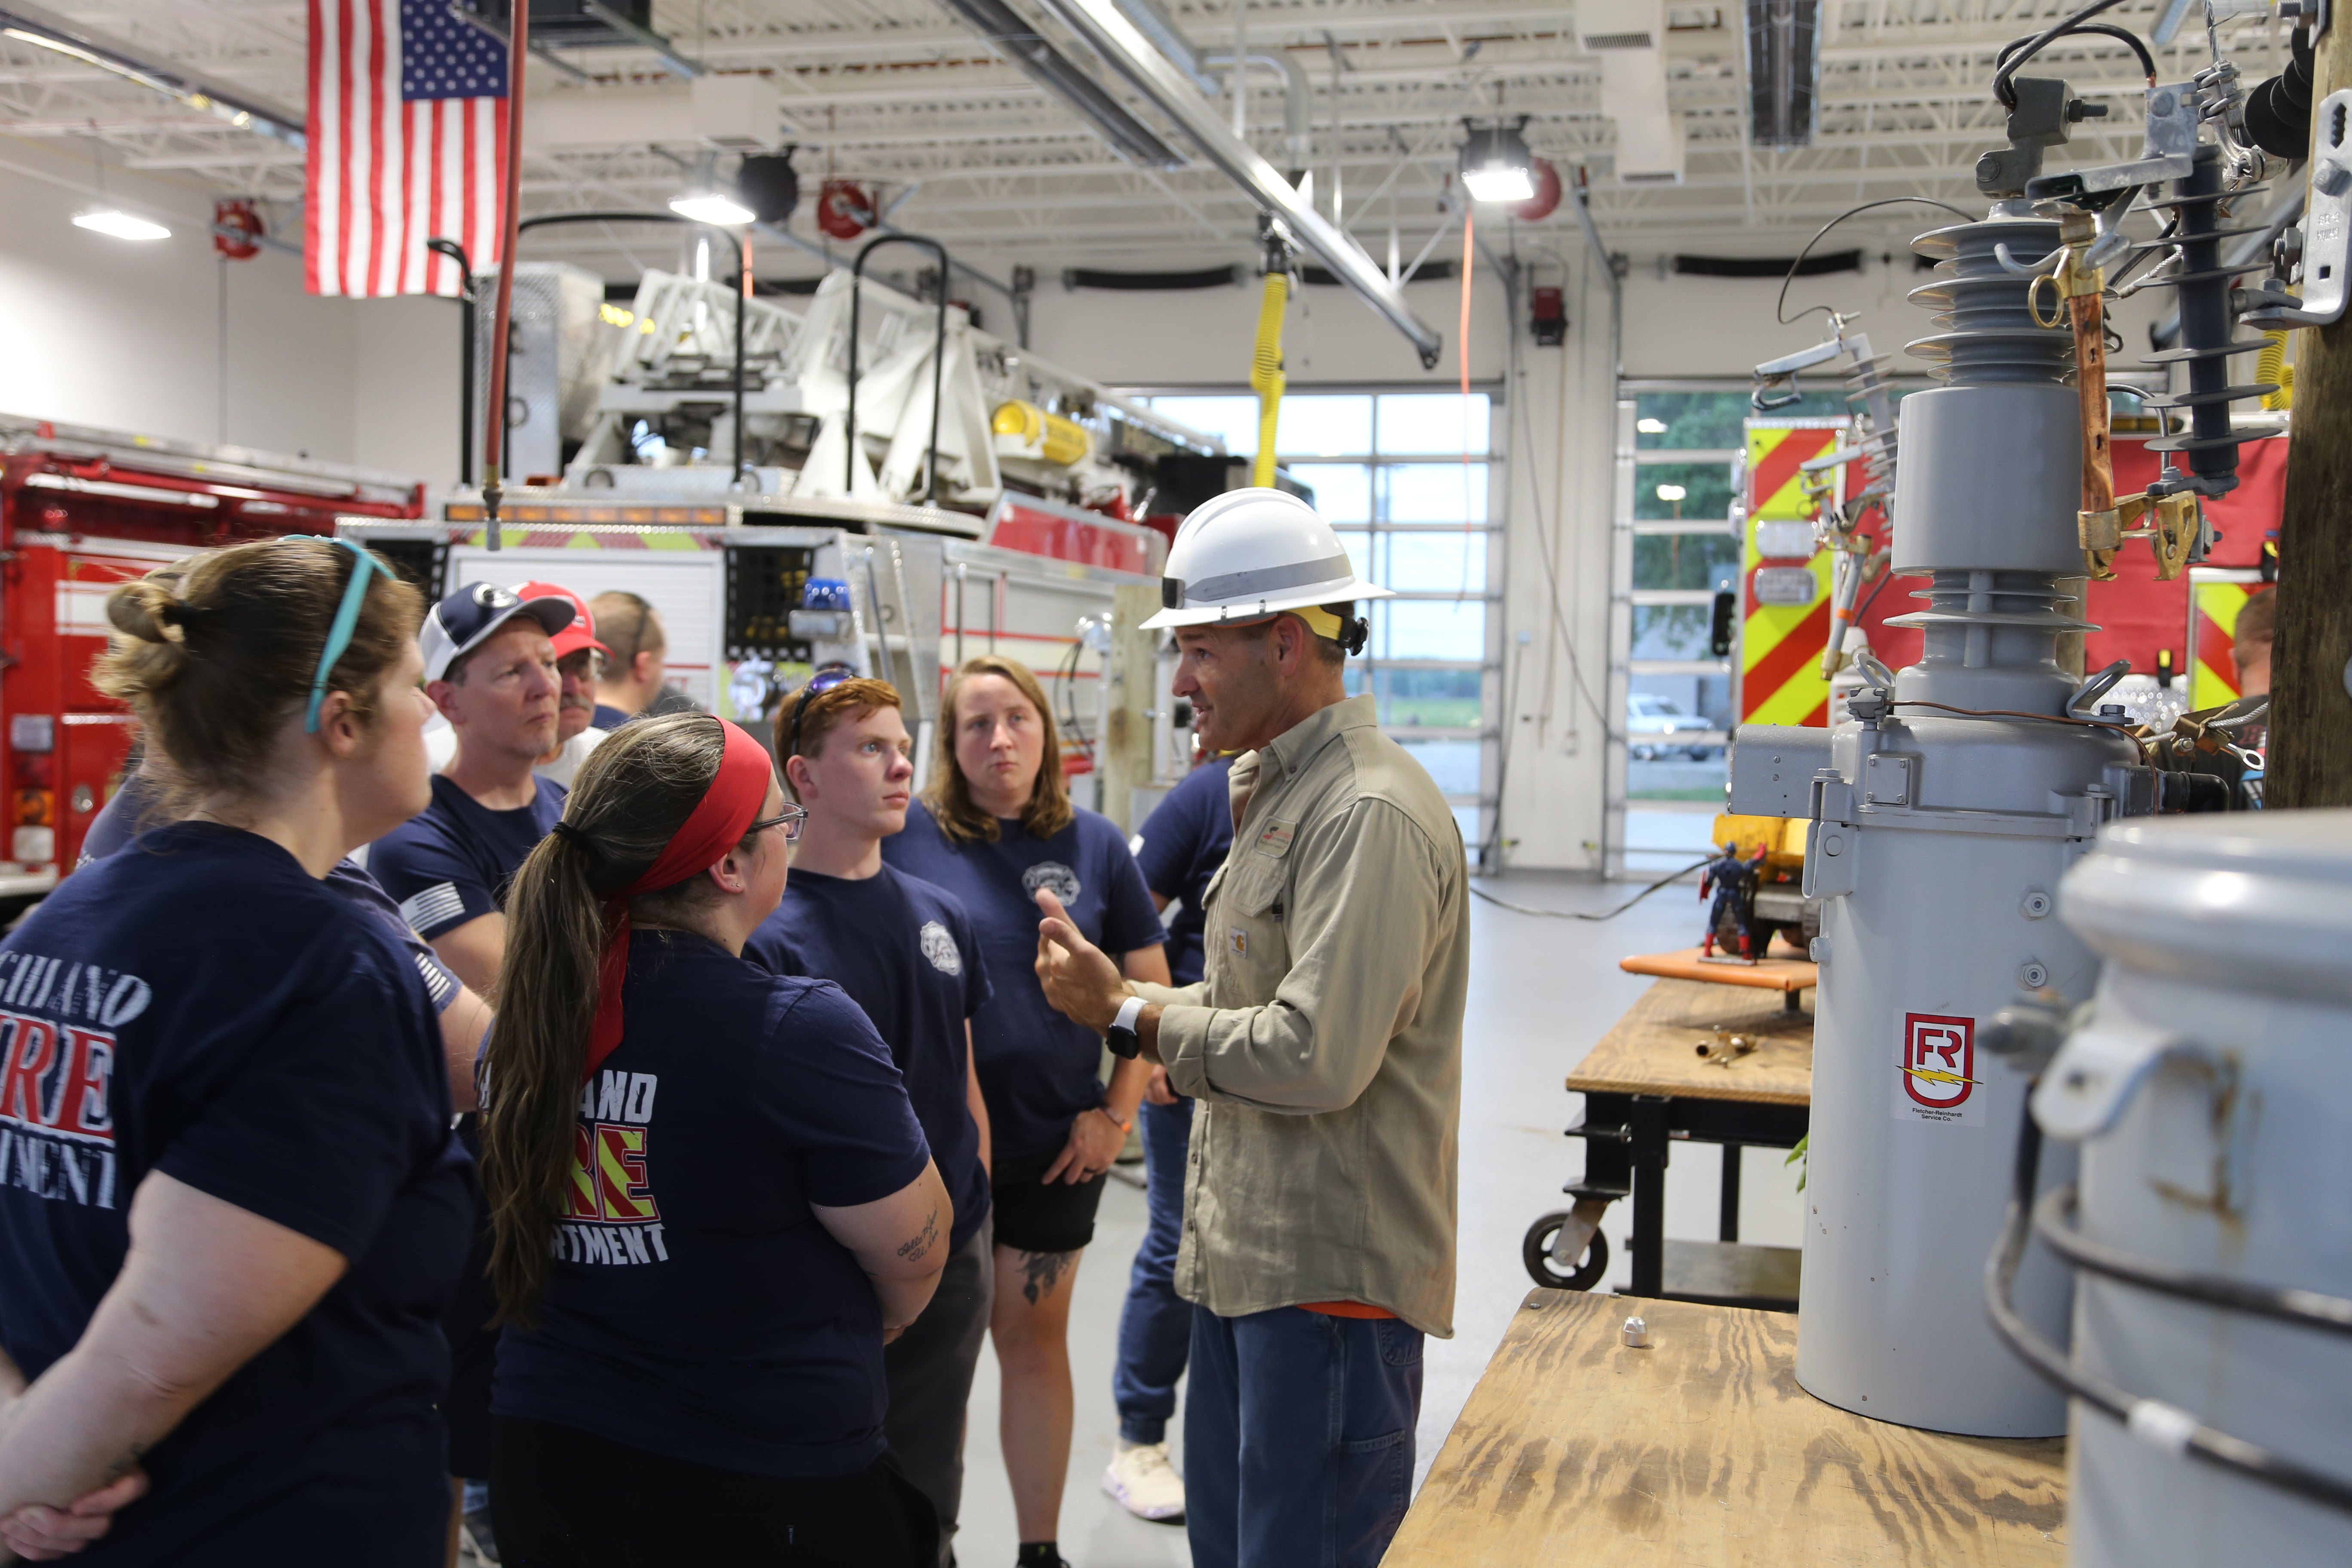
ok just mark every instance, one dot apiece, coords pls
pixel 1115 1121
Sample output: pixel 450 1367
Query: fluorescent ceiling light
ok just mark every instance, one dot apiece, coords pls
pixel 1497 165
pixel 712 206
pixel 120 224
pixel 1650 426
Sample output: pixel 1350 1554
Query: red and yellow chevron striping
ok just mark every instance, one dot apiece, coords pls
pixel 1780 680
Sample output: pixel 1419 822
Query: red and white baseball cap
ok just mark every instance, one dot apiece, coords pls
pixel 581 633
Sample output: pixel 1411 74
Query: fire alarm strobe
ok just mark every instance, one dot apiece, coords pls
pixel 1937 1079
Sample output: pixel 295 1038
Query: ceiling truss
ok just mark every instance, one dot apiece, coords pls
pixel 895 95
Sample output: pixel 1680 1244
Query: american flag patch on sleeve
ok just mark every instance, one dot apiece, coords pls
pixel 438 981
pixel 435 907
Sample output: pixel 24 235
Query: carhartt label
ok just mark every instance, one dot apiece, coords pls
pixel 1240 940
pixel 1274 840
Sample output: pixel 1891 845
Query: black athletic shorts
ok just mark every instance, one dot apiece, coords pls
pixel 1037 1215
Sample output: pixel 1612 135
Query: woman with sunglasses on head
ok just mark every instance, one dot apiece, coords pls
pixel 710 1200
pixel 994 827
pixel 227 1285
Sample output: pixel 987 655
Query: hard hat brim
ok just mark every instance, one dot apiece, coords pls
pixel 1258 609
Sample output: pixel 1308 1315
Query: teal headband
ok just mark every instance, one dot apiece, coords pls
pixel 339 635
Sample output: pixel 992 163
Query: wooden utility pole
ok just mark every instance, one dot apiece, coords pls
pixel 2310 754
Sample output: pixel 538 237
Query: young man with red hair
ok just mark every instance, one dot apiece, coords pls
pixel 904 952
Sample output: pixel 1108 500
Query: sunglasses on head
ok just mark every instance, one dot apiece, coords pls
pixel 822 681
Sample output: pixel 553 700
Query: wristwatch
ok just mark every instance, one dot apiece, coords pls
pixel 1124 1042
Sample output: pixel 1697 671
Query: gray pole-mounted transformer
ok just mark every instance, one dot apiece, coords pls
pixel 1944 813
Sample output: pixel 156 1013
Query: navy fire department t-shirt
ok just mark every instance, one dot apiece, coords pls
pixel 904 952
pixel 696 1307
pixel 200 1005
pixel 1179 847
pixel 1038 1070
pixel 453 861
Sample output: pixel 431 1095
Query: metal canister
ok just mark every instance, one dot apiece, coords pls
pixel 2210 1098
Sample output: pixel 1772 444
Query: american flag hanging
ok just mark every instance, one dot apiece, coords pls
pixel 408 117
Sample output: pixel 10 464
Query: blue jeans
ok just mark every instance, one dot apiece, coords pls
pixel 1155 1327
pixel 1298 1439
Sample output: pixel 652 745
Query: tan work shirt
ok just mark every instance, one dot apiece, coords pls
pixel 1324 1045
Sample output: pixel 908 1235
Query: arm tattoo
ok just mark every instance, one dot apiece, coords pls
pixel 1041 1271
pixel 916 1250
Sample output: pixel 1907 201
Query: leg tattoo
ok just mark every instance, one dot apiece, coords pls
pixel 1041 1271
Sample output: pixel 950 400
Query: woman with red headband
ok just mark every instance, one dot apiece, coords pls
pixel 710 1200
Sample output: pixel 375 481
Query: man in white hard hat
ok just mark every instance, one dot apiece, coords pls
pixel 1324 1049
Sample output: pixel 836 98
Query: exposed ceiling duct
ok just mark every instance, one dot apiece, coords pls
pixel 733 113
pixel 1784 71
pixel 1649 145
pixel 1050 69
pixel 1170 89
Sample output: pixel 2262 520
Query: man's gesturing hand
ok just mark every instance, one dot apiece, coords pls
pixel 1081 981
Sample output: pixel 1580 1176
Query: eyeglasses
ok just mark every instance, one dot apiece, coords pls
pixel 338 635
pixel 822 681
pixel 789 819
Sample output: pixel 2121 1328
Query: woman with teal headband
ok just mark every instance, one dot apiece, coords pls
pixel 219 1337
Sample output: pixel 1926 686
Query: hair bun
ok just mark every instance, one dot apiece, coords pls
pixel 149 611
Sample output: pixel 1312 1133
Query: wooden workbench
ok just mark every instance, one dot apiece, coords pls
pixel 1646 1088
pixel 1702 1450
pixel 1652 1048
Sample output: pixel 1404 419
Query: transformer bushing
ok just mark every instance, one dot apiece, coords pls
pixel 1943 817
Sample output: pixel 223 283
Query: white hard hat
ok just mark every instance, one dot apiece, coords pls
pixel 1250 553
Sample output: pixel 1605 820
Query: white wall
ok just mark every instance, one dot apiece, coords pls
pixel 99 330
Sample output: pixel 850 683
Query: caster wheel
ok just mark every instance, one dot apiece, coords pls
pixel 1536 1253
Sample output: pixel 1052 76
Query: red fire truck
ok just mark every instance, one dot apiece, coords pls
pixel 81 511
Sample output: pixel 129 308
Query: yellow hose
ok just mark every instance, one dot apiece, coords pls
pixel 2270 365
pixel 1266 373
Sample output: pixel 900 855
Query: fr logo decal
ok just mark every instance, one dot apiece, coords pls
pixel 1937 1076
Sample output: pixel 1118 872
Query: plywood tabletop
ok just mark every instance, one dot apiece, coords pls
pixel 1702 1450
pixel 1653 1050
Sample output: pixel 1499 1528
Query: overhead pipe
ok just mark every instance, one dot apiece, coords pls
pixel 1165 35
pixel 1170 89
pixel 1297 97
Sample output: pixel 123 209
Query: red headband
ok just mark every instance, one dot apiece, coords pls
pixel 726 809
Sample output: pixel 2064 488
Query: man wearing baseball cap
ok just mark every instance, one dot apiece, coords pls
pixel 576 735
pixel 491 667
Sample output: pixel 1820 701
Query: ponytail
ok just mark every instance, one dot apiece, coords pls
pixel 539 1040
pixel 632 793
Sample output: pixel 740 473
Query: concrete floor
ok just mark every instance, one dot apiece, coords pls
pixel 1543 992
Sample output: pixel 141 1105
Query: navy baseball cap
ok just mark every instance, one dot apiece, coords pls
pixel 473 614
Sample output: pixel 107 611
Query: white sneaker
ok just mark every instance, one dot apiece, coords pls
pixel 1144 1482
